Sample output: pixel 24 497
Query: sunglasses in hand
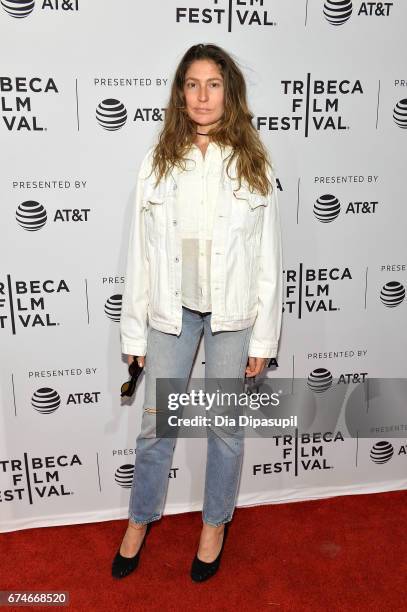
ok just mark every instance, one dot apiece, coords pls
pixel 128 387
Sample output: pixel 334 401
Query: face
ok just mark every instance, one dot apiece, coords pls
pixel 204 93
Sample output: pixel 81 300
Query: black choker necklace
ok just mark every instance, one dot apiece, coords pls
pixel 202 134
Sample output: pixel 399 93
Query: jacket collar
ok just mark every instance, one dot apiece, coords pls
pixel 225 151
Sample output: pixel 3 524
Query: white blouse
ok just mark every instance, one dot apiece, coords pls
pixel 197 192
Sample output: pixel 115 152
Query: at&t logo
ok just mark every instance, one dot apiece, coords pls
pixel 22 8
pixel 337 12
pixel 400 114
pixel 123 475
pixel 393 292
pixel 327 208
pixel 320 379
pixel 47 400
pixel 113 307
pixel 111 114
pixel 32 216
pixel 382 451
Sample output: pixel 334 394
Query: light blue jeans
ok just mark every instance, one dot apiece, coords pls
pixel 171 356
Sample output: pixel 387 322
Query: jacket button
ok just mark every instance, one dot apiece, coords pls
pixel 177 293
pixel 177 259
pixel 174 222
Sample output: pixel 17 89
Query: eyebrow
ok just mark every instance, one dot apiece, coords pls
pixel 219 78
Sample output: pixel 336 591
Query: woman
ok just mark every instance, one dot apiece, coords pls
pixel 204 255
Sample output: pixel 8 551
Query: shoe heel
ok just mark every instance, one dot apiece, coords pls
pixel 201 570
pixel 123 566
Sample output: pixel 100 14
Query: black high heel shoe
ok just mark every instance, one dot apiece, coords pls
pixel 123 566
pixel 201 570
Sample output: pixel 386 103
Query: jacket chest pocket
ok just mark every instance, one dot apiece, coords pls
pixel 154 209
pixel 247 210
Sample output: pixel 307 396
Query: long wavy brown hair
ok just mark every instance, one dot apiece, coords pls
pixel 234 129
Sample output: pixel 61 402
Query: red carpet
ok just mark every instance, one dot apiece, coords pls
pixel 342 553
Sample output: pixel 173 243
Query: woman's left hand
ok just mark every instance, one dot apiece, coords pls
pixel 256 365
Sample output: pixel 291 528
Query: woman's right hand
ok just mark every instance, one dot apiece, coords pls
pixel 140 360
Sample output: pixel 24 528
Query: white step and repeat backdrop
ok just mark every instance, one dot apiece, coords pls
pixel 327 84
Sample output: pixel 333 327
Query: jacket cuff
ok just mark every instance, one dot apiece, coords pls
pixel 138 350
pixel 267 351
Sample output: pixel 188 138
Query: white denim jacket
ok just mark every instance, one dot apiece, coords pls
pixel 246 263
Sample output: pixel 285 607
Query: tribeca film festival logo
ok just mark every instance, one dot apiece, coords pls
pixel 25 302
pixel 47 400
pixel 111 114
pixel 338 12
pixel 35 478
pixel 17 109
pixel 22 8
pixel 228 13
pixel 306 452
pixel 374 405
pixel 314 104
pixel 309 289
pixel 32 216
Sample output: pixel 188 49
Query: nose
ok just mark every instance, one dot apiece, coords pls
pixel 202 94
